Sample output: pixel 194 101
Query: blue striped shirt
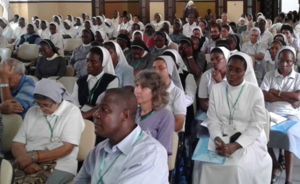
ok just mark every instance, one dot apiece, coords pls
pixel 24 93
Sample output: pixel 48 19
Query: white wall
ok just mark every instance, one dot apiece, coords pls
pixel 289 5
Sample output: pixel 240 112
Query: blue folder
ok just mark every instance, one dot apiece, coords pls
pixel 202 153
pixel 284 126
pixel 201 116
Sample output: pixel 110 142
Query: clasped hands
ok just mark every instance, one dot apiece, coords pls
pixel 24 163
pixel 294 104
pixel 225 150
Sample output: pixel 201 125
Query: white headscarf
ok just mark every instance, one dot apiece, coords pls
pixel 284 38
pixel 107 63
pixel 256 29
pixel 137 31
pixel 178 59
pixel 56 25
pixel 189 4
pixel 121 56
pixel 103 35
pixel 283 48
pixel 197 28
pixel 68 22
pixel 225 51
pixel 249 74
pixel 5 21
pixel 81 20
pixel 47 24
pixel 240 19
pixel 33 25
pixel 172 70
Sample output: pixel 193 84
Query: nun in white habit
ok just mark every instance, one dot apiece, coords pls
pixel 232 111
pixel 57 38
pixel 190 86
pixel 165 66
pixel 44 32
pixel 123 70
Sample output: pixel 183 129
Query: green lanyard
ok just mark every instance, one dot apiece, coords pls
pixel 103 162
pixel 92 91
pixel 52 128
pixel 152 112
pixel 137 64
pixel 231 113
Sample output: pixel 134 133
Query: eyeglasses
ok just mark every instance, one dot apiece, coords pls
pixel 46 107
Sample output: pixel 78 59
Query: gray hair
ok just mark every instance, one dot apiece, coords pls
pixel 19 66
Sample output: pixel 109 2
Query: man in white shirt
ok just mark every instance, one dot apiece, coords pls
pixel 208 45
pixel 125 26
pixel 266 36
pixel 188 27
pixel 128 155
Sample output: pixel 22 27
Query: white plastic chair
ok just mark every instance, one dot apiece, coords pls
pixel 6 172
pixel 5 53
pixel 11 125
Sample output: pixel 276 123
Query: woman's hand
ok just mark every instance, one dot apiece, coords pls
pixel 217 76
pixel 226 150
pixel 232 147
pixel 32 168
pixel 220 146
pixel 23 161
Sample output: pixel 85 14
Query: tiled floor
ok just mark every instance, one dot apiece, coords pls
pixel 296 173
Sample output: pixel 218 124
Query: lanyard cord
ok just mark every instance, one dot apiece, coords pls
pixel 52 128
pixel 92 91
pixel 103 162
pixel 231 113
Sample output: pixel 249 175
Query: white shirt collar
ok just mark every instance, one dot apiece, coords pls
pixel 171 86
pixel 98 76
pixel 53 57
pixel 291 75
pixel 125 146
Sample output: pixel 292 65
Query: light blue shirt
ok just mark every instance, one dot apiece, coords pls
pixel 125 75
pixel 141 161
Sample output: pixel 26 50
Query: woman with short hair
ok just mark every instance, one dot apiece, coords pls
pixel 152 97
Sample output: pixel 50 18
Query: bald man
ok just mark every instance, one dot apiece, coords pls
pixel 128 155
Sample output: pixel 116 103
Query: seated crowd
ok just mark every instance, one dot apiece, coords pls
pixel 141 84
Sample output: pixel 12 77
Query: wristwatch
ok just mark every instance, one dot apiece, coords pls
pixel 4 85
pixel 191 57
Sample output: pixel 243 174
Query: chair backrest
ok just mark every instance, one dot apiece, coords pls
pixel 87 141
pixel 28 52
pixel 267 125
pixel 33 77
pixel 70 71
pixel 11 125
pixel 72 43
pixel 172 158
pixel 5 53
pixel 68 82
pixel 6 172
pixel 11 47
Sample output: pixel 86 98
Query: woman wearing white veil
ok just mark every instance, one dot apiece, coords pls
pixel 56 38
pixel 44 32
pixel 157 22
pixel 189 9
pixel 166 67
pixel 123 70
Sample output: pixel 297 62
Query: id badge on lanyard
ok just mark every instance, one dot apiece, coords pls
pixel 228 130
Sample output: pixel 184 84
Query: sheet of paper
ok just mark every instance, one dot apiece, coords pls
pixel 212 145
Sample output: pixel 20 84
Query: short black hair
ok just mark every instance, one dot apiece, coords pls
pixel 239 58
pixel 216 26
pixel 124 99
pixel 226 27
pixel 97 51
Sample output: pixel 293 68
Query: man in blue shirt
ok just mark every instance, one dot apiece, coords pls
pixel 16 88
